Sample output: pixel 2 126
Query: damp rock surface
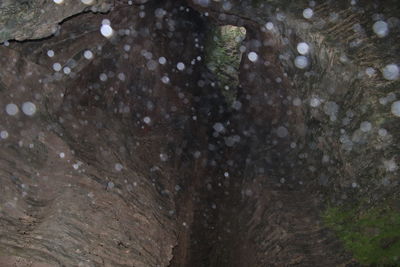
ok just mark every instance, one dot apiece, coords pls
pixel 35 19
pixel 121 145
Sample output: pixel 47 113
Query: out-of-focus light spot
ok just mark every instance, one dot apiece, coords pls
pixel 252 56
pixel 162 60
pixel 105 22
pixel 297 102
pixel 160 13
pixel 165 79
pixel 381 28
pixel 382 132
pixel 147 120
pixel 396 108
pixel 163 157
pixel 391 72
pixel 28 108
pixel 308 13
pixel 203 3
pixel 121 76
pixel 87 2
pixel 67 70
pixel 151 64
pixel 218 127
pixel 57 66
pixel 315 102
pixel 280 16
pixel 110 185
pixel 103 77
pixel 58 2
pixel 301 62
pixel 370 72
pixel 118 167
pixel 4 134
pixel 50 53
pixel 106 31
pixel 365 126
pixel 12 109
pixel 303 48
pixel 282 132
pixel 180 66
pixel 88 54
pixel 269 26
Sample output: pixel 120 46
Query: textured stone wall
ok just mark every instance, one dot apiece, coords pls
pixel 317 129
pixel 128 155
pixel 35 19
pixel 95 139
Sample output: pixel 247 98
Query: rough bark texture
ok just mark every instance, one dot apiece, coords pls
pixel 132 192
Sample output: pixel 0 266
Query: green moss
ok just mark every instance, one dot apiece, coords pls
pixel 223 57
pixel 372 235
